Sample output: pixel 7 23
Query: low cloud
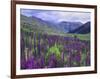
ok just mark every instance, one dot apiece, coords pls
pixel 57 16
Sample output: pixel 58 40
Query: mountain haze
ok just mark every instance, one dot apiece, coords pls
pixel 40 25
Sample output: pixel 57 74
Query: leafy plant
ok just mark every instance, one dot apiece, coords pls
pixel 54 50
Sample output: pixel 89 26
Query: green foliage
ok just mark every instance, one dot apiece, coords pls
pixel 80 36
pixel 54 50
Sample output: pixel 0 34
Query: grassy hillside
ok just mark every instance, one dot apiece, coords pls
pixel 80 36
pixel 29 24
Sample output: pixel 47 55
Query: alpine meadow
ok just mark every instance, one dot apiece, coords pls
pixel 54 39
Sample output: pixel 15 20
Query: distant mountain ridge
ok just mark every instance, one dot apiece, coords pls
pixel 69 26
pixel 46 26
pixel 84 29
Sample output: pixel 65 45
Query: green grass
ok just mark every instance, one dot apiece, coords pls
pixel 52 32
pixel 80 36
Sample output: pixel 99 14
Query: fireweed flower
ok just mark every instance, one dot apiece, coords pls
pixel 38 45
pixel 52 61
pixel 23 64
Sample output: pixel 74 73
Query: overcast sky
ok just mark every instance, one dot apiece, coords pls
pixel 58 16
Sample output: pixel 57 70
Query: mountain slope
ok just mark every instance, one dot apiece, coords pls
pixel 68 26
pixel 35 24
pixel 38 25
pixel 84 29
